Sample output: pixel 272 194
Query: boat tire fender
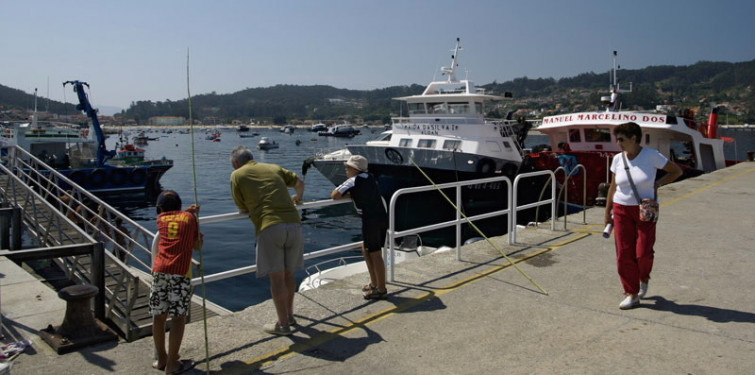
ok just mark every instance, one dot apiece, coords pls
pixel 118 176
pixel 394 156
pixel 78 177
pixel 97 177
pixel 138 176
pixel 509 170
pixel 485 166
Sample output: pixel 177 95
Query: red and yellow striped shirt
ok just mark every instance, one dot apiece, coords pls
pixel 178 232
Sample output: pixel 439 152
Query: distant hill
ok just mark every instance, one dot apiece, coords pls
pixel 709 83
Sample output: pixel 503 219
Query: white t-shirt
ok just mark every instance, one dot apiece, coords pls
pixel 643 169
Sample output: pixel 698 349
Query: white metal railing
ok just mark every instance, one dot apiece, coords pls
pixel 551 201
pixel 393 234
pixel 252 268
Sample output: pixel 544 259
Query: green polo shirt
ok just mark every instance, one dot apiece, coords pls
pixel 261 189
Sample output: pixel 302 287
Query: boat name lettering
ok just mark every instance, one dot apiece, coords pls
pixel 431 129
pixel 486 186
pixel 659 119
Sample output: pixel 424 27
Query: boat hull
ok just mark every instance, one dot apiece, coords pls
pixel 120 186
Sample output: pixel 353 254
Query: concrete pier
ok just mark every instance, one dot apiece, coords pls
pixel 481 315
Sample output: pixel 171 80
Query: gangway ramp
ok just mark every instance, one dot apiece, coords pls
pixel 56 218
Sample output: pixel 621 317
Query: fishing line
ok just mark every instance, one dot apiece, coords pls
pixel 477 229
pixel 196 200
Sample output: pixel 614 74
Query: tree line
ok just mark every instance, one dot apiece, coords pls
pixel 684 86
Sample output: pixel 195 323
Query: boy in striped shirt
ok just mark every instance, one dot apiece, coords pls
pixel 170 294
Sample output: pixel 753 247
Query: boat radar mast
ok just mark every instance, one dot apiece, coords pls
pixel 451 72
pixel 612 102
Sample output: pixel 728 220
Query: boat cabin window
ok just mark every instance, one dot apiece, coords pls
pixel 426 143
pixel 597 135
pixel 437 108
pixel 456 108
pixel 451 145
pixel 575 135
pixel 416 108
pixel 405 142
pixel 493 146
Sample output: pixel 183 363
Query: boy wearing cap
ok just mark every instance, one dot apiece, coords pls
pixel 178 235
pixel 362 188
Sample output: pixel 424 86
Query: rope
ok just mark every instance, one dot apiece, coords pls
pixel 196 200
pixel 477 229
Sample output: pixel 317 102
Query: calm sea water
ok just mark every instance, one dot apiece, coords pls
pixel 230 244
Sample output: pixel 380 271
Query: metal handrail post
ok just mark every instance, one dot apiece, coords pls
pixel 15 224
pixel 458 223
pixel 515 208
pixel 98 279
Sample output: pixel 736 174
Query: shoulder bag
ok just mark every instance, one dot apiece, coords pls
pixel 648 207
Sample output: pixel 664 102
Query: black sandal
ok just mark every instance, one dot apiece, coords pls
pixel 368 288
pixel 376 294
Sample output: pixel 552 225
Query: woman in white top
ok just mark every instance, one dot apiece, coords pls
pixel 634 238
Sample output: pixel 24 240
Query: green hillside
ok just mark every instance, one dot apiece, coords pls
pixel 696 86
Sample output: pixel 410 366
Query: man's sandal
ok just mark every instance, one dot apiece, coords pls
pixel 368 288
pixel 376 294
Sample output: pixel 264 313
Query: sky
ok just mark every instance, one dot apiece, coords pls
pixel 137 50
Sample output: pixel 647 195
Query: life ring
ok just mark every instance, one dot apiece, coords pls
pixel 118 176
pixel 97 178
pixel 138 176
pixel 394 156
pixel 485 166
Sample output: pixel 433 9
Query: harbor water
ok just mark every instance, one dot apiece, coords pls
pixel 230 244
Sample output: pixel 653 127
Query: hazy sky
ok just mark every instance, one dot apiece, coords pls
pixel 136 50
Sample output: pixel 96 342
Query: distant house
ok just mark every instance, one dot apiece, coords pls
pixel 167 120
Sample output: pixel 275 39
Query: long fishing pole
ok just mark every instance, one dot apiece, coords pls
pixel 196 200
pixel 476 228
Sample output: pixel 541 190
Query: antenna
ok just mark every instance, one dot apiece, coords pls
pixel 612 102
pixel 451 72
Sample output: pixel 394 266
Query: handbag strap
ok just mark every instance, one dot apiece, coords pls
pixel 631 182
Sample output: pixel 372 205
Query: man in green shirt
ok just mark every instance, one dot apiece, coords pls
pixel 261 190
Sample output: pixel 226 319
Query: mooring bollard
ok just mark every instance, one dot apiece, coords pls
pixel 79 328
pixel 79 320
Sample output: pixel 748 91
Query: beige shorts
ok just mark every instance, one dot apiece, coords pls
pixel 280 247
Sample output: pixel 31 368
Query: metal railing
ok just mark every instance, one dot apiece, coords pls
pixel 253 268
pixel 64 219
pixel 457 222
pixel 83 209
pixel 392 233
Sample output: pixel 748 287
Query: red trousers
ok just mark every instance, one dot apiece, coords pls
pixel 634 246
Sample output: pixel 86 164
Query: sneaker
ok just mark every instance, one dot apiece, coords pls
pixel 292 321
pixel 643 289
pixel 277 329
pixel 629 302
